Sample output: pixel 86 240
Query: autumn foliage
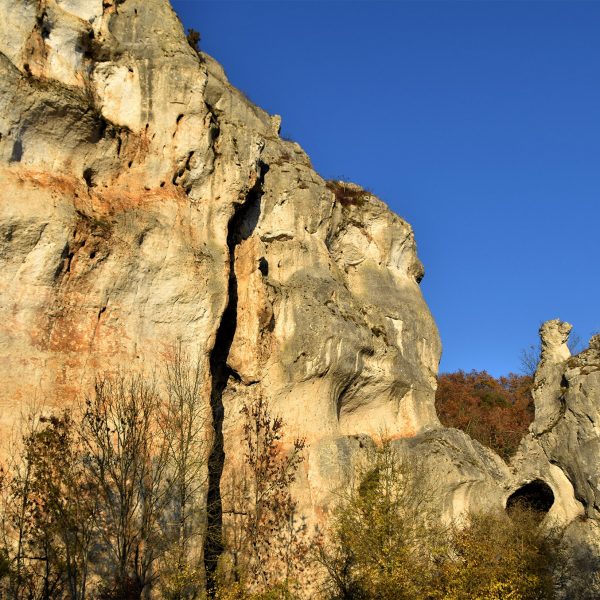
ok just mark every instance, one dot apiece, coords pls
pixel 494 411
pixel 266 546
pixel 387 542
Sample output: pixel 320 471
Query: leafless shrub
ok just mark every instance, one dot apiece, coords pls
pixel 184 425
pixel 265 542
pixel 347 194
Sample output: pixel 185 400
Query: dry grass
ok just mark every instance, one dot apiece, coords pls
pixel 347 194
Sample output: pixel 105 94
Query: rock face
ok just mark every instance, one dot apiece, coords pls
pixel 562 448
pixel 145 201
pixel 563 445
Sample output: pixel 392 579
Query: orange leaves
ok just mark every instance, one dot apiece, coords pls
pixel 494 411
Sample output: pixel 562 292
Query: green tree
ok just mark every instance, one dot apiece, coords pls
pixel 383 538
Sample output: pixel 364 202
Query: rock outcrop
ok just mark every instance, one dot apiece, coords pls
pixel 563 445
pixel 562 448
pixel 144 202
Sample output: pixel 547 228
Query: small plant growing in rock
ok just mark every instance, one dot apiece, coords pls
pixel 347 194
pixel 193 38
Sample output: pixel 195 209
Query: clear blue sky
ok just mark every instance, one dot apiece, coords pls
pixel 478 122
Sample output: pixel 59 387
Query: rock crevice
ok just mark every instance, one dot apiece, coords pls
pixel 202 225
pixel 240 227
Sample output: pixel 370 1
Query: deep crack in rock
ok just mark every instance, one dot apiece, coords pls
pixel 240 228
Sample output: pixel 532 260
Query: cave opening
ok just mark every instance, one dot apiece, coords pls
pixel 240 228
pixel 535 496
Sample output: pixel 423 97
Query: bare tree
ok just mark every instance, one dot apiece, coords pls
pixel 16 525
pixel 126 457
pixel 66 501
pixel 184 423
pixel 530 357
pixel 265 540
pixel 47 512
pixel 117 488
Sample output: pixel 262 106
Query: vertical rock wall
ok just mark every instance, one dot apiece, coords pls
pixel 144 200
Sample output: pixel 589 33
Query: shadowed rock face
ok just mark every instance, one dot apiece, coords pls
pixel 144 200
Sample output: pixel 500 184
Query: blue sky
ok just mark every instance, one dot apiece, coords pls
pixel 478 122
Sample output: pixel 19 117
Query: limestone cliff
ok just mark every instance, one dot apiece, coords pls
pixel 562 449
pixel 144 200
pixel 135 177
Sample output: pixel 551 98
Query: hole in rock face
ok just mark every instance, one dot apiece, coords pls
pixel 263 266
pixel 536 496
pixel 88 176
pixel 17 151
pixel 44 25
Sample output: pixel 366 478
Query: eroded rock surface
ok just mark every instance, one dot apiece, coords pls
pixel 144 200
pixel 563 445
pixel 562 448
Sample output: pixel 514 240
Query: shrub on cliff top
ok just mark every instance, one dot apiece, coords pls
pixel 193 38
pixel 347 194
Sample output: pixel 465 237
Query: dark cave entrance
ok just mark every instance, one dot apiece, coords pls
pixel 536 496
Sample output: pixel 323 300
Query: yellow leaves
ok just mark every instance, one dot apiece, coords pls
pixel 181 580
pixel 238 591
pixel 497 558
pixel 387 546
